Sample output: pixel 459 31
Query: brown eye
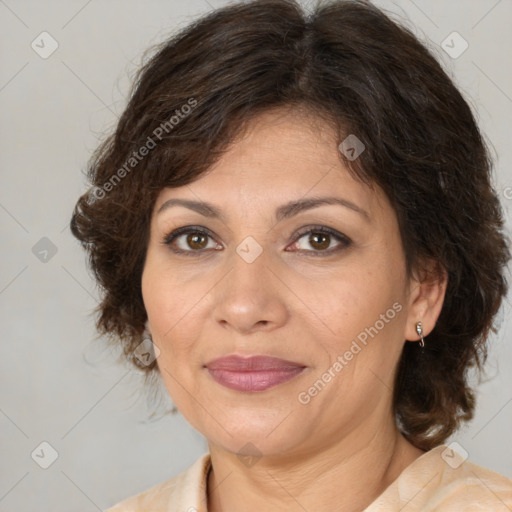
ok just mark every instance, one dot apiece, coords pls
pixel 197 241
pixel 190 240
pixel 319 241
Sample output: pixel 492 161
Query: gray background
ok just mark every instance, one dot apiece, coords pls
pixel 57 384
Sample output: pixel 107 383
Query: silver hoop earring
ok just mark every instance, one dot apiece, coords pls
pixel 419 330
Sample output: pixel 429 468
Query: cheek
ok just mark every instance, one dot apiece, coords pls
pixel 349 300
pixel 155 295
pixel 172 330
pixel 360 311
pixel 162 294
pixel 161 302
pixel 173 310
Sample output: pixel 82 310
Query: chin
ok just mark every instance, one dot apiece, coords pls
pixel 250 433
pixel 253 444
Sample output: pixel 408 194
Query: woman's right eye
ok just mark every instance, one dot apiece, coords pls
pixel 189 240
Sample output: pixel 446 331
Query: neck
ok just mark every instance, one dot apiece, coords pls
pixel 351 473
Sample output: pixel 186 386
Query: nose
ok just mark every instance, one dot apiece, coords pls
pixel 250 298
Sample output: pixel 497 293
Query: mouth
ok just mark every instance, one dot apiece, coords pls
pixel 250 374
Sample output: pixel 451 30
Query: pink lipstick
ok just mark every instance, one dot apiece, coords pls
pixel 256 373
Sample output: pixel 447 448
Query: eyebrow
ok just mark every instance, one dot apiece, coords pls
pixel 285 211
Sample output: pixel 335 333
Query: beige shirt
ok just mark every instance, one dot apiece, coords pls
pixel 439 480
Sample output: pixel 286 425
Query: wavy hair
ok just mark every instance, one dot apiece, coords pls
pixel 352 65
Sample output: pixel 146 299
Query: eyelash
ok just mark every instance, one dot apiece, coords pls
pixel 185 230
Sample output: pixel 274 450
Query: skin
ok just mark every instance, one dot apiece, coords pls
pixel 294 302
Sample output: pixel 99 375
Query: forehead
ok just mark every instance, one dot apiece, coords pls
pixel 281 155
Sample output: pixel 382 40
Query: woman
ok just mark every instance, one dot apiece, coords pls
pixel 297 211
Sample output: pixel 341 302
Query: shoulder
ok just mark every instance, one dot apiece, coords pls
pixel 470 487
pixel 181 492
pixel 442 480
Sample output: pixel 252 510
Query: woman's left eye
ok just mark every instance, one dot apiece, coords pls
pixel 321 239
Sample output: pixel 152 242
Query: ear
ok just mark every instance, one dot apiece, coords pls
pixel 146 325
pixel 426 297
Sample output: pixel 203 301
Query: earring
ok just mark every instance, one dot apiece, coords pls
pixel 419 330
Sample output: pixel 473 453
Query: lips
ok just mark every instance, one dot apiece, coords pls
pixel 256 373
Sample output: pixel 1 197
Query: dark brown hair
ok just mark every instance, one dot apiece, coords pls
pixel 350 64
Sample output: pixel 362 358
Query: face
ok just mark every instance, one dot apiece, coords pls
pixel 323 287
